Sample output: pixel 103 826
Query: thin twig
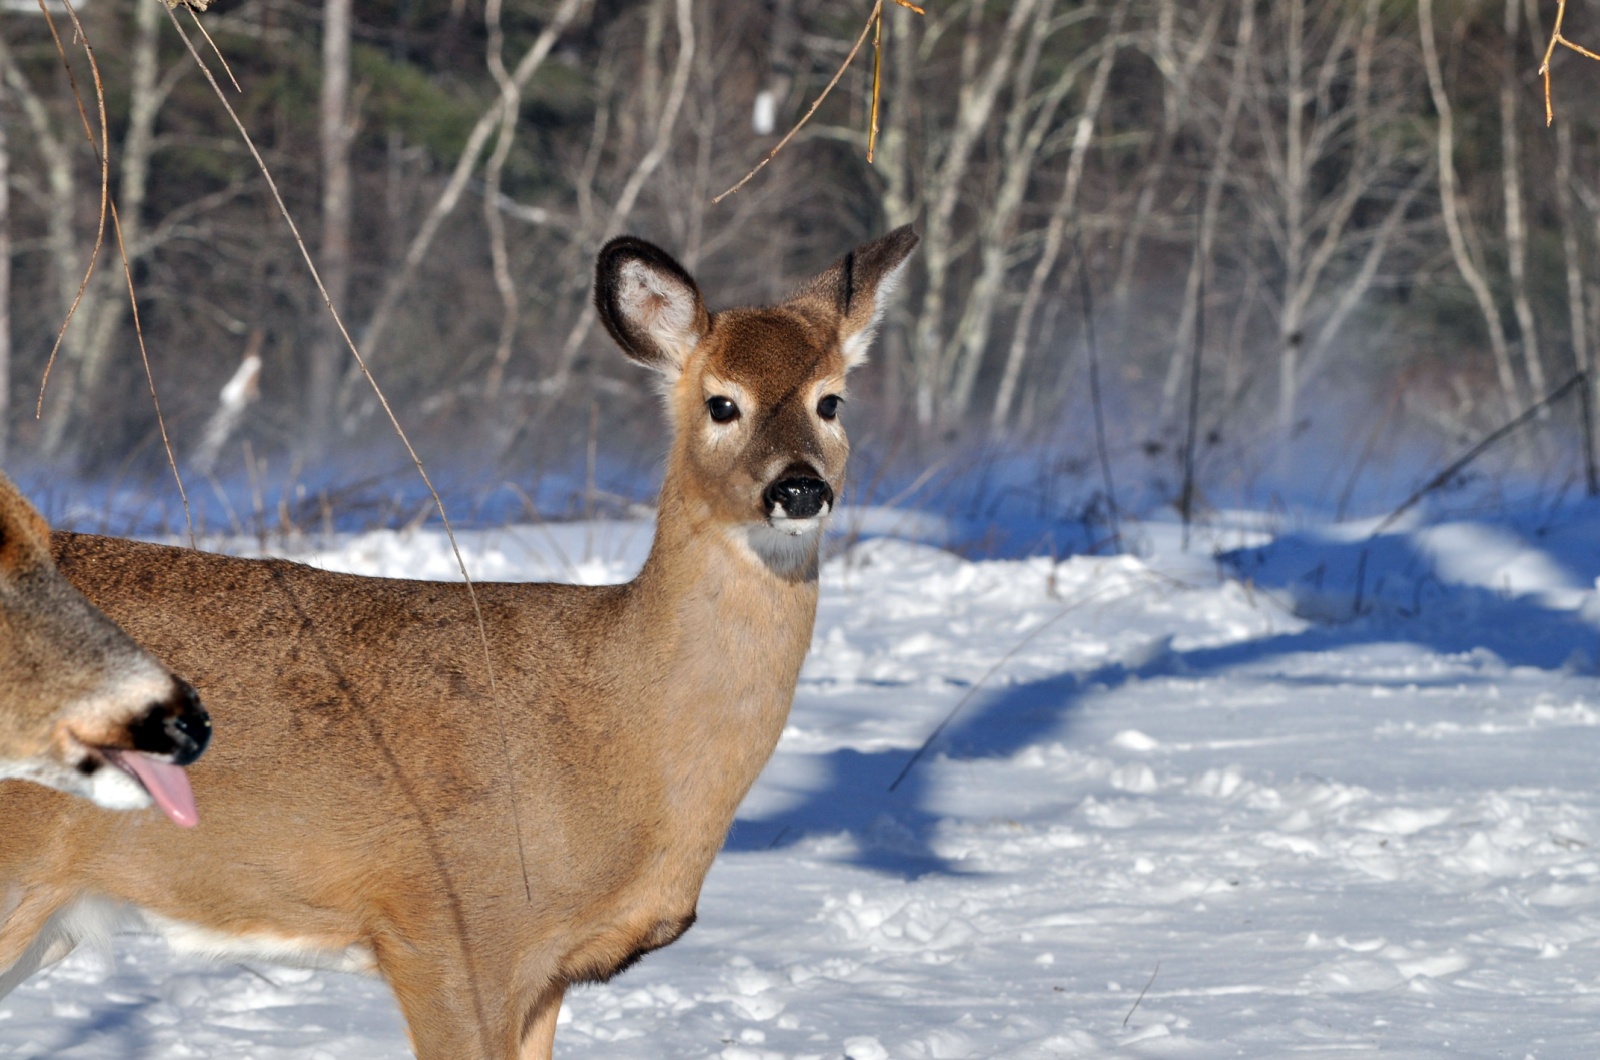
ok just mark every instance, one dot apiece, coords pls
pixel 1477 450
pixel 872 20
pixel 877 80
pixel 149 376
pixel 1094 391
pixel 1186 496
pixel 1142 993
pixel 220 57
pixel 1033 634
pixel 455 548
pixel 105 188
pixel 1591 474
pixel 102 153
pixel 1544 67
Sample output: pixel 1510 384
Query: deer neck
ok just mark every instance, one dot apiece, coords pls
pixel 729 618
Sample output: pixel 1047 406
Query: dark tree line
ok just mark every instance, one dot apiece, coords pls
pixel 1354 197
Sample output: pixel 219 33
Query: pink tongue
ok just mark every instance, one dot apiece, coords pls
pixel 167 784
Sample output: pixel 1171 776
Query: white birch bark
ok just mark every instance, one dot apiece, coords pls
pixel 1210 210
pixel 1516 223
pixel 976 99
pixel 103 313
pixel 494 220
pixel 449 198
pixel 5 284
pixel 1065 206
pixel 1452 210
pixel 334 136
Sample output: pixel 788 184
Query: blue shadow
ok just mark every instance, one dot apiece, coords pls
pixel 1388 593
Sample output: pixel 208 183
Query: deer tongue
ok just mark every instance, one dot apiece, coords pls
pixel 167 784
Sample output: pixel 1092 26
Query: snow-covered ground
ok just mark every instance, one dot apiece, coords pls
pixel 1284 794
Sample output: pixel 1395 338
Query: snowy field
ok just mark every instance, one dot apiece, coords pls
pixel 1286 794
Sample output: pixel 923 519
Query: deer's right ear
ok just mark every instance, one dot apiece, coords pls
pixel 649 303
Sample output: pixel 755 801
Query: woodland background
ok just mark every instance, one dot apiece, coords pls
pixel 1309 234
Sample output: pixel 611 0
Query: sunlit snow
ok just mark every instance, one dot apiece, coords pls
pixel 1309 794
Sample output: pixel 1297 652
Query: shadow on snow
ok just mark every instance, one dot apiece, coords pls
pixel 1363 592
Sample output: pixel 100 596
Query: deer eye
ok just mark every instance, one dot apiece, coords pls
pixel 722 410
pixel 828 407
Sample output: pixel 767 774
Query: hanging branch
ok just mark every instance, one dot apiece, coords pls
pixel 105 184
pixel 405 440
pixel 107 205
pixel 874 26
pixel 1544 68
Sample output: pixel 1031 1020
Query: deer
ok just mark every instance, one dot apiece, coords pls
pixel 485 812
pixel 83 709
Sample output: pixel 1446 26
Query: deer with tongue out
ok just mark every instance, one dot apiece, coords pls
pixel 485 837
pixel 83 709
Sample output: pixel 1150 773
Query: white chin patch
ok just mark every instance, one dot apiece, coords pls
pixel 115 790
pixel 107 786
pixel 783 545
pixel 779 520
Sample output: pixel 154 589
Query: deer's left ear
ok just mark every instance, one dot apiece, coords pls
pixel 857 287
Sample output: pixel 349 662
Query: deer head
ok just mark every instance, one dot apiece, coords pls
pixel 754 395
pixel 78 695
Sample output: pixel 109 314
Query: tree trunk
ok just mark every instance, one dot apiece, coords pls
pixel 449 198
pixel 1055 230
pixel 499 257
pixel 67 266
pixel 103 312
pixel 1210 211
pixel 939 242
pixel 1174 108
pixel 1452 210
pixel 5 285
pixel 900 201
pixel 1516 225
pixel 334 130
pixel 1573 255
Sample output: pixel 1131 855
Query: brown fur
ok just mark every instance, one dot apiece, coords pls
pixel 73 682
pixel 367 783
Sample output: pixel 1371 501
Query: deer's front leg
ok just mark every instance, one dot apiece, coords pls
pixel 450 1013
pixel 539 1039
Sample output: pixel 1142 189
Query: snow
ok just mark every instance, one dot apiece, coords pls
pixel 1304 792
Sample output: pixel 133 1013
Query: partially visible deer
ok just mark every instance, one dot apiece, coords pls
pixel 82 707
pixel 382 804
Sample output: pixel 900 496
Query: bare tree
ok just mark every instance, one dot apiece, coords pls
pixel 1055 231
pixel 1454 215
pixel 5 280
pixel 985 66
pixel 336 129
pixel 1516 224
pixel 1217 182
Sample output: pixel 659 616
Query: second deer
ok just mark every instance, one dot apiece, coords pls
pixel 84 709
pixel 384 804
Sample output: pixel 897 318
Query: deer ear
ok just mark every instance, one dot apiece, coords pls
pixel 649 303
pixel 857 287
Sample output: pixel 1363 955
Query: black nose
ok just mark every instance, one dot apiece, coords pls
pixel 800 497
pixel 178 727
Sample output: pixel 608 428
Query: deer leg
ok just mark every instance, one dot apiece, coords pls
pixel 450 1013
pixel 539 1038
pixel 33 936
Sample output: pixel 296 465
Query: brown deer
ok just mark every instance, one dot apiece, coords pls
pixel 84 709
pixel 485 836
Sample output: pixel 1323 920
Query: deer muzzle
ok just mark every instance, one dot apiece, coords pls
pixel 177 728
pixel 798 496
